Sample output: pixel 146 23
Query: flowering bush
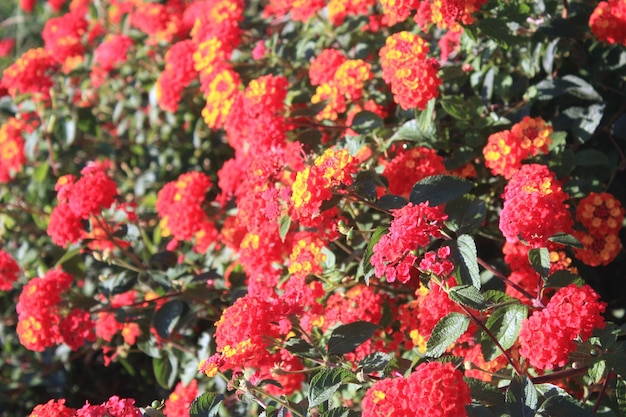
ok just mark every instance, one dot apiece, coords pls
pixel 312 208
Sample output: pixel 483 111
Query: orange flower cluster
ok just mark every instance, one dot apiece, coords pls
pixel 338 10
pixel 31 74
pixel 346 86
pixel 41 319
pixel 505 151
pixel 161 22
pixel 602 215
pixel 300 10
pixel 608 21
pixel 306 255
pixel 412 75
pixel 12 156
pixel 314 185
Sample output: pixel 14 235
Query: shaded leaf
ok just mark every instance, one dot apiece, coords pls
pixel 345 338
pixel 374 362
pixel 563 405
pixel 391 202
pixel 446 332
pixel 563 278
pixel 539 259
pixel 366 269
pixel 483 392
pixel 206 405
pixel 412 131
pixel 439 189
pixel 163 260
pixel 325 383
pixel 465 214
pixel 165 369
pixel 300 347
pixel 167 316
pixel 566 239
pixel 340 412
pixel 620 395
pixel 366 121
pixel 467 260
pixel 521 397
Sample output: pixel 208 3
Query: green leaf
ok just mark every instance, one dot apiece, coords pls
pixel 567 240
pixel 495 297
pixel 366 269
pixel 365 122
pixel 584 120
pixel 41 172
pixel 539 259
pixel 206 405
pixel 439 189
pixel 340 412
pixel 483 392
pixel 68 255
pixel 165 369
pixel 284 223
pixel 465 214
pixel 412 131
pixel 163 260
pixel 467 260
pixel 469 296
pixel 456 106
pixel 620 395
pixel 562 405
pixel 300 347
pixel 425 117
pixel 497 30
pixel 325 383
pixel 597 371
pixel 391 202
pixel 167 316
pixel 375 362
pixel 592 158
pixel 521 397
pixel 118 284
pixel 344 339
pixel 563 278
pixel 504 324
pixel 446 332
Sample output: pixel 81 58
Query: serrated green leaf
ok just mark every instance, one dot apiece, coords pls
pixel 325 383
pixel 374 362
pixel 167 316
pixel 504 324
pixel 494 297
pixel 469 296
pixel 446 332
pixel 300 347
pixel 566 239
pixel 206 405
pixel 521 397
pixel 563 405
pixel 366 269
pixel 484 393
pixel 345 338
pixel 439 189
pixel 467 260
pixel 165 369
pixel 620 395
pixel 465 214
pixel 365 122
pixel 539 259
pixel 340 412
pixel 411 131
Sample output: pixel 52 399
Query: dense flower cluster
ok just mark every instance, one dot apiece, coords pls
pixel 62 36
pixel 31 74
pixel 409 166
pixel 179 72
pixel 300 10
pixel 338 10
pixel 608 21
pixel 548 335
pixel 113 407
pixel 41 321
pixel 179 401
pixel 306 256
pixel 506 150
pixel 79 199
pixel 9 271
pixel 413 227
pixel 534 206
pixel 161 22
pixel 107 56
pixel 412 75
pixel 179 205
pixel 602 215
pixel 315 184
pixel 12 156
pixel 433 389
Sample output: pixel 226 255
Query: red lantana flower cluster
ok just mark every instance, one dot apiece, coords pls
pixel 113 407
pixel 548 336
pixel 412 227
pixel 534 206
pixel 9 271
pixel 608 21
pixel 433 389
